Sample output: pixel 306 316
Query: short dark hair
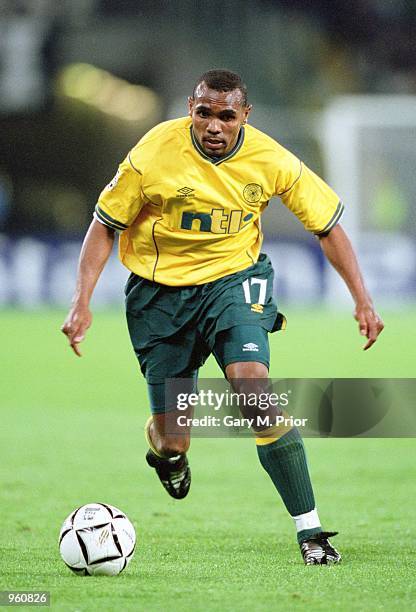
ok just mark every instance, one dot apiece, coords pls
pixel 222 80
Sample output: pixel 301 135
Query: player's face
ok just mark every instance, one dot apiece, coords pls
pixel 217 117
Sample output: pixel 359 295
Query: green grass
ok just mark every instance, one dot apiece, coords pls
pixel 71 432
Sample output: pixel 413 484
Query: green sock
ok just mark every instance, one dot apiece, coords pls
pixel 285 462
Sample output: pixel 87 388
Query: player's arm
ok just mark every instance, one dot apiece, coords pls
pixel 319 209
pixel 118 205
pixel 96 250
pixel 339 252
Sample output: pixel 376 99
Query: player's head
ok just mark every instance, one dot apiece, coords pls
pixel 218 107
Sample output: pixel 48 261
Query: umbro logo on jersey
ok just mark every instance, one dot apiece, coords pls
pixel 250 346
pixel 185 192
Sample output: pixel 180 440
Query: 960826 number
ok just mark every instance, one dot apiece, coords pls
pixel 26 598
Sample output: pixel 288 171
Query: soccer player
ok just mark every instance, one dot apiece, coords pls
pixel 187 202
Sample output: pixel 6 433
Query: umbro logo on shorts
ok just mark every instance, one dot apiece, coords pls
pixel 250 346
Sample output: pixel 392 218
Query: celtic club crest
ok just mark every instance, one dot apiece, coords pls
pixel 252 192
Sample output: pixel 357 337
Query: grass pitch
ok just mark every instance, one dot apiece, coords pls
pixel 72 433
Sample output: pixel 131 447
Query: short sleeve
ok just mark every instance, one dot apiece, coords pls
pixel 314 203
pixel 122 199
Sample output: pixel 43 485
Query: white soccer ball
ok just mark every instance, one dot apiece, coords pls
pixel 97 539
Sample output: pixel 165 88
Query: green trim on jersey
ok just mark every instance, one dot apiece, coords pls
pixel 334 219
pixel 109 221
pixel 218 160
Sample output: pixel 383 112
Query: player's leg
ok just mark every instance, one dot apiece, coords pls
pixel 168 431
pixel 167 437
pixel 280 448
pixel 167 455
pixel 162 438
pixel 244 302
pixel 168 444
pixel 164 339
pixel 168 440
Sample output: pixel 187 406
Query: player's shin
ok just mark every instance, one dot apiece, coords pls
pixel 282 454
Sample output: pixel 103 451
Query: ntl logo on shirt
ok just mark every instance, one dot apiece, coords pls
pixel 218 222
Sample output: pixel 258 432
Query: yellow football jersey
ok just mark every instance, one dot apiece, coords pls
pixel 187 219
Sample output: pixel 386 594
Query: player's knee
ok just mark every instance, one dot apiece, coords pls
pixel 246 370
pixel 249 378
pixel 169 446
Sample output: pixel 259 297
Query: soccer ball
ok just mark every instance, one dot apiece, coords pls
pixel 97 539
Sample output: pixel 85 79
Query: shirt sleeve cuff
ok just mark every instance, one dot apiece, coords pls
pixel 333 221
pixel 107 220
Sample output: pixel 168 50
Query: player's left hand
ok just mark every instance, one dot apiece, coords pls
pixel 75 326
pixel 369 323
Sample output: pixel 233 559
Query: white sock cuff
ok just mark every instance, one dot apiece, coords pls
pixel 309 520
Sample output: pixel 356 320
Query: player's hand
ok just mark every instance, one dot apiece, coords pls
pixel 75 326
pixel 369 323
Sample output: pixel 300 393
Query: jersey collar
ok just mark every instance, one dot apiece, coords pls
pixel 218 160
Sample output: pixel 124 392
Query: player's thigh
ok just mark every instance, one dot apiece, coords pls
pixel 171 372
pixel 243 353
pixel 163 333
pixel 243 344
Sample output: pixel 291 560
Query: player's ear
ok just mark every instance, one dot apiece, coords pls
pixel 247 111
pixel 190 104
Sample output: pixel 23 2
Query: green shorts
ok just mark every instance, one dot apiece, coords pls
pixel 174 329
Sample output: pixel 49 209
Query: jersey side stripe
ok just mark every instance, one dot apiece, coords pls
pixel 107 220
pixel 156 248
pixel 334 219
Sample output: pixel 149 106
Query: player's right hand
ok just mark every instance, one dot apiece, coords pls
pixel 75 326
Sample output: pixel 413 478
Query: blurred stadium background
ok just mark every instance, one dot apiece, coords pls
pixel 82 80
